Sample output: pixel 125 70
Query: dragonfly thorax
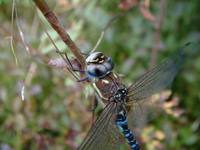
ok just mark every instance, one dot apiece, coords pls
pixel 98 65
pixel 121 95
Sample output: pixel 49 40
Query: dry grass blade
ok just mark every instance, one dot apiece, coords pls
pixel 12 32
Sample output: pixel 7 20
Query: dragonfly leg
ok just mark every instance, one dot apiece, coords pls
pixel 94 106
pixel 65 57
pixel 83 79
pixel 70 67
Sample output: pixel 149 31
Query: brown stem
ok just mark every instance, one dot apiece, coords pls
pixel 54 22
pixel 159 24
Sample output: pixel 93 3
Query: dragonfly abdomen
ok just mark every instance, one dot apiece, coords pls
pixel 122 124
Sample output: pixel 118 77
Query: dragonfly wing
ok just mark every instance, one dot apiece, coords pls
pixel 156 79
pixel 104 134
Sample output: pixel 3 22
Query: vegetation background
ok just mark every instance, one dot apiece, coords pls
pixel 55 113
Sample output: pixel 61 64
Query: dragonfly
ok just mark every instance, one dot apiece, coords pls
pixel 111 127
pixel 112 124
pixel 113 119
pixel 98 67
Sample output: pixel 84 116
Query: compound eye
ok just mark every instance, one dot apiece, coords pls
pixel 97 71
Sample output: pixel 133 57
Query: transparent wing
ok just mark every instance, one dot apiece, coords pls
pixel 156 79
pixel 104 135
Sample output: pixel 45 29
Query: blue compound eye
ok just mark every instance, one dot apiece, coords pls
pixel 98 65
pixel 98 72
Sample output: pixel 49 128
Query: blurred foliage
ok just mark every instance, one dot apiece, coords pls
pixel 56 111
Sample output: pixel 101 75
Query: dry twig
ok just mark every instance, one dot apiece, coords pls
pixel 54 22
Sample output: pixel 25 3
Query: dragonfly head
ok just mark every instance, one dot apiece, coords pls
pixel 98 65
pixel 121 95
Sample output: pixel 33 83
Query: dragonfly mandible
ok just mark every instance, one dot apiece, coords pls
pixel 112 124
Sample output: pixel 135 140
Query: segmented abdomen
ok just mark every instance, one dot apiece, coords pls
pixel 122 124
